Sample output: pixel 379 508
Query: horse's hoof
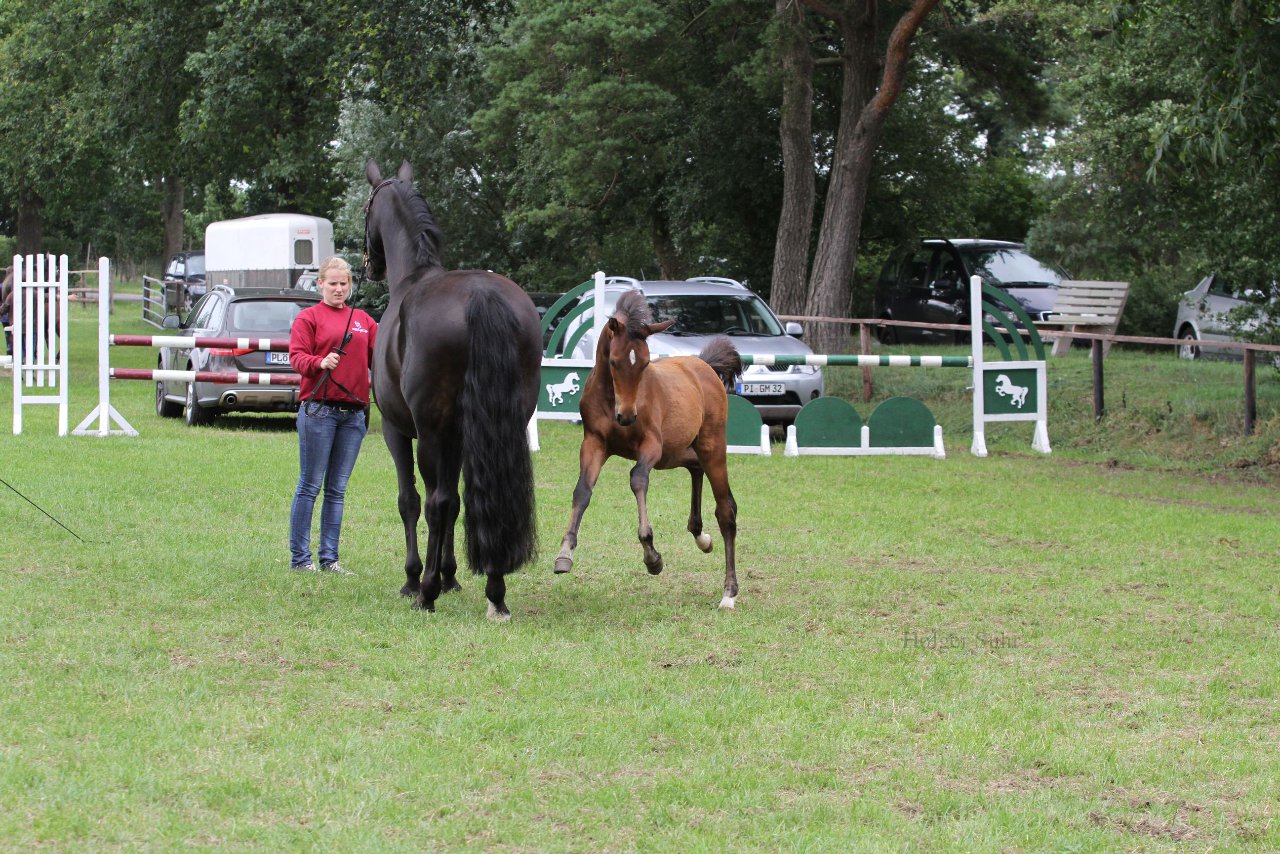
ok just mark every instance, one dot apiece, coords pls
pixel 563 565
pixel 420 605
pixel 499 615
pixel 654 568
pixel 409 589
pixel 727 603
pixel 704 541
pixel 450 585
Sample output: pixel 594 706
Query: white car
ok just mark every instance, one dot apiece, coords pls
pixel 704 307
pixel 1205 314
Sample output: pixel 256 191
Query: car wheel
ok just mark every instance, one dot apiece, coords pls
pixel 1188 350
pixel 166 408
pixel 888 335
pixel 192 412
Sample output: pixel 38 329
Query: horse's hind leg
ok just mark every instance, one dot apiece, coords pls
pixel 443 506
pixel 700 537
pixel 439 461
pixel 640 487
pixel 495 590
pixel 409 503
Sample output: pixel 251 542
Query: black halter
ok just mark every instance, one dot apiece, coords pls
pixel 364 272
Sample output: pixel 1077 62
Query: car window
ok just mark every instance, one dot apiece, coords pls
pixel 1221 288
pixel 265 315
pixel 715 314
pixel 195 265
pixel 1012 267
pixel 219 311
pixel 947 268
pixel 915 272
pixel 203 311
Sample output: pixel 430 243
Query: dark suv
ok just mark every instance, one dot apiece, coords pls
pixel 930 284
pixel 187 269
pixel 226 312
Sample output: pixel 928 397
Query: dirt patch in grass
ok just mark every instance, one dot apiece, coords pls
pixel 1195 505
pixel 1141 819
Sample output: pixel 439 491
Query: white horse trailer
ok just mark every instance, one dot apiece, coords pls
pixel 266 251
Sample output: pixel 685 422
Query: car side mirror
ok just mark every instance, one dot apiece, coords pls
pixel 795 330
pixel 171 321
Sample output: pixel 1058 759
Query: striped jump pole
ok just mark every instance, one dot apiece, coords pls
pixel 862 361
pixel 226 377
pixel 276 345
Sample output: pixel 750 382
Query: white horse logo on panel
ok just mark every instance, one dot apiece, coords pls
pixel 557 391
pixel 1016 393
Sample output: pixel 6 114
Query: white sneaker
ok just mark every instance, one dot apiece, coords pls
pixel 336 568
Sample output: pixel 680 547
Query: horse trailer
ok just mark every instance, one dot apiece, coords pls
pixel 266 251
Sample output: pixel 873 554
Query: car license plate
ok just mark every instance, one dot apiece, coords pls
pixel 274 358
pixel 766 389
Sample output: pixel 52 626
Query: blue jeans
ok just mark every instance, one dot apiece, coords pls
pixel 328 444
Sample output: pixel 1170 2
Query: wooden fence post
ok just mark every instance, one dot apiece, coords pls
pixel 1250 393
pixel 1098 406
pixel 864 347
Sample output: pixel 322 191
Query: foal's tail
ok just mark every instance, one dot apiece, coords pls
pixel 723 358
pixel 501 532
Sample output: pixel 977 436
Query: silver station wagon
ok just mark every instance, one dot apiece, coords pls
pixel 704 307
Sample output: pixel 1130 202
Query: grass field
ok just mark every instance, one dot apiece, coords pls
pixel 1077 652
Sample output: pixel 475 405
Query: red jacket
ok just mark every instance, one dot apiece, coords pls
pixel 317 331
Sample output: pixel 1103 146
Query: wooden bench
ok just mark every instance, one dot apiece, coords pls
pixel 1087 307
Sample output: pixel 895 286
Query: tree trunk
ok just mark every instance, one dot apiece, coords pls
pixel 171 212
pixel 863 111
pixel 795 224
pixel 670 264
pixel 30 225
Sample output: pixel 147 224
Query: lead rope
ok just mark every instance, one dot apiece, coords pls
pixel 310 403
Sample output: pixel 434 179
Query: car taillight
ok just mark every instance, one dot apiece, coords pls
pixel 224 351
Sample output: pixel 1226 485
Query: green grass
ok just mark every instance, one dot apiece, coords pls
pixel 1014 653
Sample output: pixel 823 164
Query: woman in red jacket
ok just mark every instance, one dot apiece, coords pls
pixel 330 346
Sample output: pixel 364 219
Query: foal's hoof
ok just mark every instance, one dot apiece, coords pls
pixel 563 565
pixel 727 603
pixel 450 585
pixel 499 615
pixel 704 541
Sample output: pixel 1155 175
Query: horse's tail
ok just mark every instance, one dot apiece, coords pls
pixel 500 525
pixel 723 358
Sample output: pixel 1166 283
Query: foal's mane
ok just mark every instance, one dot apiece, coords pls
pixel 427 235
pixel 633 311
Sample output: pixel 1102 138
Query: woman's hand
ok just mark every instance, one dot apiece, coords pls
pixel 329 362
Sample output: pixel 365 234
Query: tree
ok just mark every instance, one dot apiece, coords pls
pixel 1166 173
pixel 867 95
pixel 51 144
pixel 635 133
pixel 148 81
pixel 265 108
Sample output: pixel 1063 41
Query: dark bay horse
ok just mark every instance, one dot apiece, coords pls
pixel 663 414
pixel 456 367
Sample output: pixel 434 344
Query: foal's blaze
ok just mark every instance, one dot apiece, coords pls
pixel 665 414
pixel 628 359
